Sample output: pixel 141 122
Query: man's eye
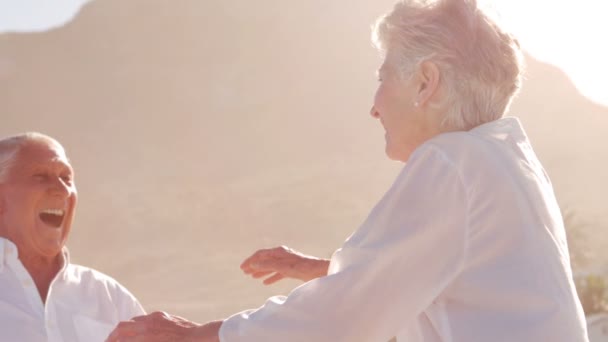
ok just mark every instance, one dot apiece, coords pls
pixel 41 177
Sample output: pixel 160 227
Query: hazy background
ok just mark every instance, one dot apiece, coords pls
pixel 203 130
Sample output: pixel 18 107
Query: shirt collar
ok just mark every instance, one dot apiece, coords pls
pixel 504 128
pixel 66 261
pixel 9 252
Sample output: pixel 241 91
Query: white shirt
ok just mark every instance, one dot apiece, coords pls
pixel 82 305
pixel 468 245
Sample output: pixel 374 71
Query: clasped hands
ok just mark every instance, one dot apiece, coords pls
pixel 271 265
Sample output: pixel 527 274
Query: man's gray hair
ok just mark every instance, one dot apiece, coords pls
pixel 10 147
pixel 480 63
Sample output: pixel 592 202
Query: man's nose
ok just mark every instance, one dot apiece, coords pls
pixel 374 113
pixel 59 187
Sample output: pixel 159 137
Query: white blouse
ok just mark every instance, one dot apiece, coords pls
pixel 82 305
pixel 468 245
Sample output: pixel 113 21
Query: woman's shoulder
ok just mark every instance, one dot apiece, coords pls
pixel 490 137
pixel 454 145
pixel 464 151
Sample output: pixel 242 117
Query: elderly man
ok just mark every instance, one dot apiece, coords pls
pixel 43 297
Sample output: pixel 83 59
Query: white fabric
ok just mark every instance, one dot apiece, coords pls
pixel 468 245
pixel 82 305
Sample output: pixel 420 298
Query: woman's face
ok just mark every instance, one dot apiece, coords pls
pixel 396 106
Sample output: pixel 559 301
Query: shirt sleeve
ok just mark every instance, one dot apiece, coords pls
pixel 389 271
pixel 127 305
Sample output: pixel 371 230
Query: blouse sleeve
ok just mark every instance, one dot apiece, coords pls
pixel 390 270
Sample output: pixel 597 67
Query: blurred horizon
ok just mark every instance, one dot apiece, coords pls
pixel 550 41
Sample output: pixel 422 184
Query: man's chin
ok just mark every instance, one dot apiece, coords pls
pixel 50 240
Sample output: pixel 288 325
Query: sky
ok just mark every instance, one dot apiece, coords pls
pixel 567 34
pixel 37 15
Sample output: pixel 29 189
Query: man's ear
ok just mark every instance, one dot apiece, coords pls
pixel 429 77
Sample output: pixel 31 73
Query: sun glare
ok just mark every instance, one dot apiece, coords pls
pixel 567 34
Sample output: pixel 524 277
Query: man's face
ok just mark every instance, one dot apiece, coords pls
pixel 38 200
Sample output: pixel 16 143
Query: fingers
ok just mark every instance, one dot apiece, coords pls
pixel 255 258
pixel 273 279
pixel 267 253
pixel 155 316
pixel 155 327
pixel 278 262
pixel 257 261
pixel 126 330
pixel 263 268
pixel 260 274
pixel 131 331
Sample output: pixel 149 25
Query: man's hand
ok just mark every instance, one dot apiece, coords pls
pixel 162 327
pixel 283 262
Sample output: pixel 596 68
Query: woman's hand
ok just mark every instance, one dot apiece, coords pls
pixel 283 262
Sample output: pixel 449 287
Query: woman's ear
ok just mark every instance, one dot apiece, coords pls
pixel 429 76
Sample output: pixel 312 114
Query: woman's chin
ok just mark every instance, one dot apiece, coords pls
pixel 392 155
pixel 397 154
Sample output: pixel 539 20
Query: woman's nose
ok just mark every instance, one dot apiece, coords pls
pixel 374 113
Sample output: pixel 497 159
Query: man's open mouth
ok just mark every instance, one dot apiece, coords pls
pixel 52 217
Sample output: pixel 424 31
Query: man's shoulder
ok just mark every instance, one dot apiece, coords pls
pixel 83 274
pixel 86 282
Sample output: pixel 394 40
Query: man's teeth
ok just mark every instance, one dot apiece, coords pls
pixel 58 212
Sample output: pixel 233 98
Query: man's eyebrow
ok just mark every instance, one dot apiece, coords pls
pixel 55 162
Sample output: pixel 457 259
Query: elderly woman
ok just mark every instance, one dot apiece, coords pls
pixel 467 245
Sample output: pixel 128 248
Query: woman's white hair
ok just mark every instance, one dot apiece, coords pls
pixel 480 63
pixel 10 147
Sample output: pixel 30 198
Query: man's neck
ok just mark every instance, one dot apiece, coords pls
pixel 42 270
